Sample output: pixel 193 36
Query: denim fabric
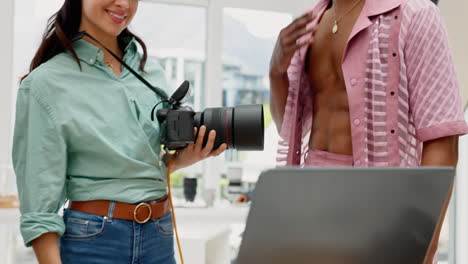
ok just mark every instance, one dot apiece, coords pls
pixel 97 239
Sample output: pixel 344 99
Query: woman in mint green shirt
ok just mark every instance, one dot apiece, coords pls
pixel 83 133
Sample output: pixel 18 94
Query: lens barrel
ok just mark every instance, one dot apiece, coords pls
pixel 241 127
pixel 248 127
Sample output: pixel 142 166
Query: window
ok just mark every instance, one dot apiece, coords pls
pixel 175 36
pixel 30 23
pixel 248 42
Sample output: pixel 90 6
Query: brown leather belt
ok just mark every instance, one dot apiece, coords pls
pixel 140 213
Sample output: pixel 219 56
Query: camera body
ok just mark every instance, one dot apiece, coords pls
pixel 177 124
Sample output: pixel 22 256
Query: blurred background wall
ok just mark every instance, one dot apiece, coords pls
pixel 454 13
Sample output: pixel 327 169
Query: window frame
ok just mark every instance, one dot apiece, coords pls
pixel 213 66
pixel 7 96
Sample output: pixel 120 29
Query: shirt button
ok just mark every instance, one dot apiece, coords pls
pixel 354 82
pixel 297 152
pixel 99 53
pixel 91 61
pixel 132 99
pixel 357 122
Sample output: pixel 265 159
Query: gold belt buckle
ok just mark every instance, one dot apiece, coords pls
pixel 136 211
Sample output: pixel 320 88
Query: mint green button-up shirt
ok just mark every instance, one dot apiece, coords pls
pixel 85 135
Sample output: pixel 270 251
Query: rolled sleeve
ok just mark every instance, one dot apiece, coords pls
pixel 35 224
pixel 39 159
pixel 442 130
pixel 434 90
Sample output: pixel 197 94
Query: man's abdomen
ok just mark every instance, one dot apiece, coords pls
pixel 331 130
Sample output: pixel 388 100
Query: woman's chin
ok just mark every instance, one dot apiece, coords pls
pixel 114 32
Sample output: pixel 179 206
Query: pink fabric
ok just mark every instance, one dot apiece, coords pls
pixel 318 158
pixel 401 84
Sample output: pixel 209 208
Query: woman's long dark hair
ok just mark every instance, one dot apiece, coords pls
pixel 61 28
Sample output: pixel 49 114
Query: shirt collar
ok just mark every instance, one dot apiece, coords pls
pixel 90 53
pixel 378 7
pixel 371 7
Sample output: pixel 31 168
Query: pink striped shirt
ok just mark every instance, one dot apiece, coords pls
pixel 401 84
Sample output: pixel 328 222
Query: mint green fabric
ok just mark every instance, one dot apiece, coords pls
pixel 85 135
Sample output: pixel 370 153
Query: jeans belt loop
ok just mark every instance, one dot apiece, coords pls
pixel 110 213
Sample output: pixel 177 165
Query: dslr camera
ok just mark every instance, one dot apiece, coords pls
pixel 240 127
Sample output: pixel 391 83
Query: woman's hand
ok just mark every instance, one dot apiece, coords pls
pixel 195 152
pixel 287 43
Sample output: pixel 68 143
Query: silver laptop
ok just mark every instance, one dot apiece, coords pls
pixel 344 215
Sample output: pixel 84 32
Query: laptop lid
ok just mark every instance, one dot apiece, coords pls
pixel 344 215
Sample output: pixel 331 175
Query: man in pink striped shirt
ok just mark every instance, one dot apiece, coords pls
pixel 367 83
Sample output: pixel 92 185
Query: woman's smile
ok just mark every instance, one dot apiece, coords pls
pixel 117 17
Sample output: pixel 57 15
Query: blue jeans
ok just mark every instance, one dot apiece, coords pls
pixel 98 239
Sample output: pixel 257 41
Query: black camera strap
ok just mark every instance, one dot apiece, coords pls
pixel 82 34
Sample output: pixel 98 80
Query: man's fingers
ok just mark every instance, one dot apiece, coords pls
pixel 292 40
pixel 299 23
pixel 307 31
pixel 286 43
pixel 293 48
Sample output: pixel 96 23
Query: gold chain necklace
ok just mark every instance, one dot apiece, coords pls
pixel 335 26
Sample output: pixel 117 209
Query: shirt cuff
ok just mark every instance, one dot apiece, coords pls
pixel 33 225
pixel 442 130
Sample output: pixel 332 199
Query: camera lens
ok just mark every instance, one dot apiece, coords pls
pixel 241 127
pixel 248 127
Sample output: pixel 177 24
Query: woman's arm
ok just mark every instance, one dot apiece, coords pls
pixel 39 157
pixel 46 249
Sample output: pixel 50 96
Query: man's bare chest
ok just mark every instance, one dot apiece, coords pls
pixel 325 55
